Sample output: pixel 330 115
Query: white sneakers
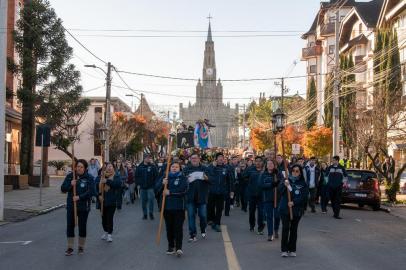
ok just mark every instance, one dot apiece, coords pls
pixel 104 236
pixel 204 235
pixel 179 253
pixel 288 254
pixel 109 238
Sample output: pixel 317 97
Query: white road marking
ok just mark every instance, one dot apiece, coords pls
pixel 230 253
pixel 23 243
pixel 357 220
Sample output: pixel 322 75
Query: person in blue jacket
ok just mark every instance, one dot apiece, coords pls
pixel 220 180
pixel 146 175
pixel 254 194
pixel 197 196
pixel 269 183
pixel 336 176
pixel 110 183
pixel 174 211
pixel 85 190
pixel 297 187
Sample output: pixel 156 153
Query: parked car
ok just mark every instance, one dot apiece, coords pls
pixel 403 183
pixel 362 188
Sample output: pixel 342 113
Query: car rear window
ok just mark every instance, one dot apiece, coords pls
pixel 355 177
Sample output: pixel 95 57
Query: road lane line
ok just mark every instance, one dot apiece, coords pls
pixel 230 253
pixel 23 243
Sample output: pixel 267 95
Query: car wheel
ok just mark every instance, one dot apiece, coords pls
pixel 361 205
pixel 376 207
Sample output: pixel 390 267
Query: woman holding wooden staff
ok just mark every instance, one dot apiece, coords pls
pixel 175 187
pixel 82 184
pixel 269 183
pixel 106 186
pixel 296 188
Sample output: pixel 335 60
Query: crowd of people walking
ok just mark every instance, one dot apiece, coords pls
pixel 271 189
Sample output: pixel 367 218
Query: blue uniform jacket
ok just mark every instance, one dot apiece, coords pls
pixel 110 197
pixel 177 186
pixel 198 191
pixel 268 183
pixel 254 176
pixel 336 176
pixel 146 175
pixel 298 194
pixel 220 180
pixel 85 189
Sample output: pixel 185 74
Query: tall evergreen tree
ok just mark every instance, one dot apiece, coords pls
pixel 44 52
pixel 311 104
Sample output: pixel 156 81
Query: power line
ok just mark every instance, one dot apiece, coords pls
pixel 182 31
pixel 188 36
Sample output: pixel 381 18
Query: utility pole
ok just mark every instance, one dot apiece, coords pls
pixel 3 57
pixel 243 128
pixel 336 105
pixel 108 113
pixel 283 89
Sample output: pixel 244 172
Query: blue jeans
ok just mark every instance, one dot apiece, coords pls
pixel 201 209
pixel 272 217
pixel 147 197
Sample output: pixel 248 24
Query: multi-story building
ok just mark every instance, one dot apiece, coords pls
pixel 88 145
pixel 13 108
pixel 393 15
pixel 319 52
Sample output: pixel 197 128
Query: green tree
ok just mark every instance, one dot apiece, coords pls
pixel 44 52
pixel 311 104
pixel 328 102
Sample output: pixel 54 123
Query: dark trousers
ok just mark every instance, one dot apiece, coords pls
pixel 82 223
pixel 335 197
pixel 237 195
pixel 119 195
pixel 107 218
pixel 174 227
pixel 243 197
pixel 324 198
pixel 215 208
pixel 255 204
pixel 227 204
pixel 312 198
pixel 289 233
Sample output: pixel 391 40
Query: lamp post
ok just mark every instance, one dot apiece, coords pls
pixel 279 123
pixel 102 139
pixel 107 119
pixel 72 131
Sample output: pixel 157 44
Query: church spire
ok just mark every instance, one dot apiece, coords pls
pixel 209 36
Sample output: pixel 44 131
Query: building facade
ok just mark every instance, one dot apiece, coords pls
pixel 13 107
pixel 209 103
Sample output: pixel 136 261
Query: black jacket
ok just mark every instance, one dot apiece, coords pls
pixel 146 175
pixel 220 180
pixel 198 191
pixel 85 189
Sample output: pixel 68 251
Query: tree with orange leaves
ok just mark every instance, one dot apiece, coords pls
pixel 291 135
pixel 318 142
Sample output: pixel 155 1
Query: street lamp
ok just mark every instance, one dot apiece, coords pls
pixel 279 119
pixel 72 130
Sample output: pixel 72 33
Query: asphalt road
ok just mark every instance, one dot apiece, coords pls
pixel 362 240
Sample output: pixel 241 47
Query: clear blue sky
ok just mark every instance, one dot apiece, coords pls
pixel 242 57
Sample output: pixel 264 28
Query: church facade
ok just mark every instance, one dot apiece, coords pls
pixel 209 103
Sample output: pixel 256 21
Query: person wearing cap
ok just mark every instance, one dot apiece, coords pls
pixel 220 186
pixel 145 177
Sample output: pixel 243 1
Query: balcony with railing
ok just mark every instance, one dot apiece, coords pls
pixel 327 29
pixel 311 52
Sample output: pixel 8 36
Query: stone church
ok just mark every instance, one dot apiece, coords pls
pixel 209 103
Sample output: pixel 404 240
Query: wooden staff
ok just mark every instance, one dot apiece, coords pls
pixel 168 165
pixel 275 192
pixel 101 188
pixel 75 205
pixel 286 177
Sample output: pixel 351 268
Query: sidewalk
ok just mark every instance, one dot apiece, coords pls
pixel 23 204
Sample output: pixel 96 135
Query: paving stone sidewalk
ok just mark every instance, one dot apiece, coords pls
pixel 23 204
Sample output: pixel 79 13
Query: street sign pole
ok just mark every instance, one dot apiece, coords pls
pixel 42 165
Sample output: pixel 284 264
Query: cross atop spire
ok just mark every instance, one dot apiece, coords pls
pixel 209 36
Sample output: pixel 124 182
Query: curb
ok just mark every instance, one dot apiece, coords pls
pixel 50 209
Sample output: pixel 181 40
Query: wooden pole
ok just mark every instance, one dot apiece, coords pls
pixel 168 165
pixel 275 192
pixel 286 176
pixel 75 205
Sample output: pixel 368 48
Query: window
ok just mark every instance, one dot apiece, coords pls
pixel 331 49
pixel 311 44
pixel 359 29
pixel 312 69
